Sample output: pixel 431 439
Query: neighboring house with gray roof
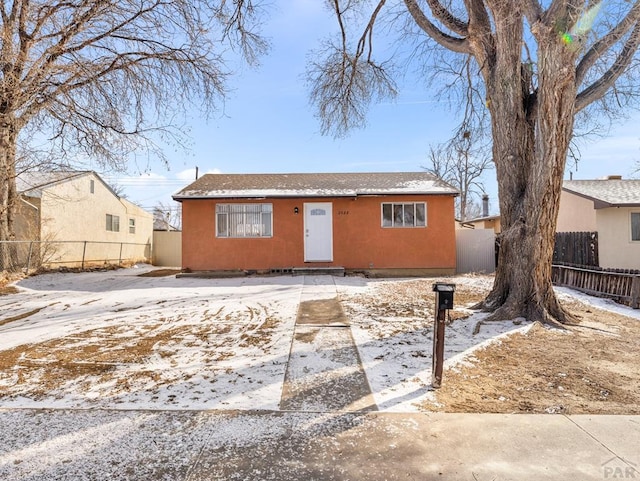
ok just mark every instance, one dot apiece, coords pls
pixel 374 222
pixel 65 209
pixel 610 207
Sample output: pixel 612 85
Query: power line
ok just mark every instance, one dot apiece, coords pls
pixel 169 209
pixel 144 182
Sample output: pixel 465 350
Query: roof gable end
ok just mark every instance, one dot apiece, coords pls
pixel 33 183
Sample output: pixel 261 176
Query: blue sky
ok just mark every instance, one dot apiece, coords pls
pixel 267 125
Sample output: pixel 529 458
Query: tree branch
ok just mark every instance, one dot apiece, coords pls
pixel 343 84
pixel 532 10
pixel 480 30
pixel 448 19
pixel 596 90
pixel 236 22
pixel 367 35
pixel 459 45
pixel 599 48
pixel 555 11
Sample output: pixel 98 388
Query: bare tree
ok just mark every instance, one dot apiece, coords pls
pixel 463 160
pixel 475 209
pixel 101 79
pixel 541 64
pixel 167 217
pixel 462 165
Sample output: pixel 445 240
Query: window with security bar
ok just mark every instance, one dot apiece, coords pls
pixel 406 214
pixel 244 220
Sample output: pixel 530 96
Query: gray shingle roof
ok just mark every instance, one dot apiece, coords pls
pixel 313 185
pixel 606 193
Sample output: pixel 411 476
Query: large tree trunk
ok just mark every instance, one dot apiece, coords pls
pixel 8 138
pixel 531 134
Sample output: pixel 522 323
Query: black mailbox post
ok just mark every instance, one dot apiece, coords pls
pixel 444 301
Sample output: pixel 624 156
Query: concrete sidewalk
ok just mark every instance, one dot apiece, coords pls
pixel 290 446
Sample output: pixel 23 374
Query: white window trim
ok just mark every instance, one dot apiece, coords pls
pixel 132 224
pixel 392 226
pixel 227 214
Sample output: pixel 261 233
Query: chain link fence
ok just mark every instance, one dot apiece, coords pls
pixel 26 256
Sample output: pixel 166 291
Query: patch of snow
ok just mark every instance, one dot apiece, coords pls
pixel 221 343
pixel 397 351
pixel 599 302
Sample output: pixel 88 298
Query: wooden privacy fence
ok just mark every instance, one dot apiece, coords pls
pixel 620 285
pixel 578 248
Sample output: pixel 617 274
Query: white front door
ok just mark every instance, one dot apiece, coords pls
pixel 318 232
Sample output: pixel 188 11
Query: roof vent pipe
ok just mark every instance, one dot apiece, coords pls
pixel 485 205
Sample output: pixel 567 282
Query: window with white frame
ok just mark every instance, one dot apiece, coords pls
pixel 635 226
pixel 132 226
pixel 244 220
pixel 113 223
pixel 405 214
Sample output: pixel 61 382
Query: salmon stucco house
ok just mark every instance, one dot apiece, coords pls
pixel 379 223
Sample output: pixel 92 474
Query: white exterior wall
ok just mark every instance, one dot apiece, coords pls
pixel 616 250
pixel 71 212
pixel 576 214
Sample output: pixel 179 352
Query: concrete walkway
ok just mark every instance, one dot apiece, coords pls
pixel 324 372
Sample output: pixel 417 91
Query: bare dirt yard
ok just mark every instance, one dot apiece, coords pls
pixel 593 366
pixel 118 339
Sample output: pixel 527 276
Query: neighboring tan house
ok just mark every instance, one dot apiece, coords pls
pixel 486 221
pixel 379 223
pixel 610 207
pixel 77 215
pixel 489 222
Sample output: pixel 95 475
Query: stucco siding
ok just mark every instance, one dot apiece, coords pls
pixel 70 212
pixel 27 221
pixel 616 249
pixel 484 224
pixel 70 218
pixel 576 214
pixel 359 240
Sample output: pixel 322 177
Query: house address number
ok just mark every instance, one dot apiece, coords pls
pixel 343 212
